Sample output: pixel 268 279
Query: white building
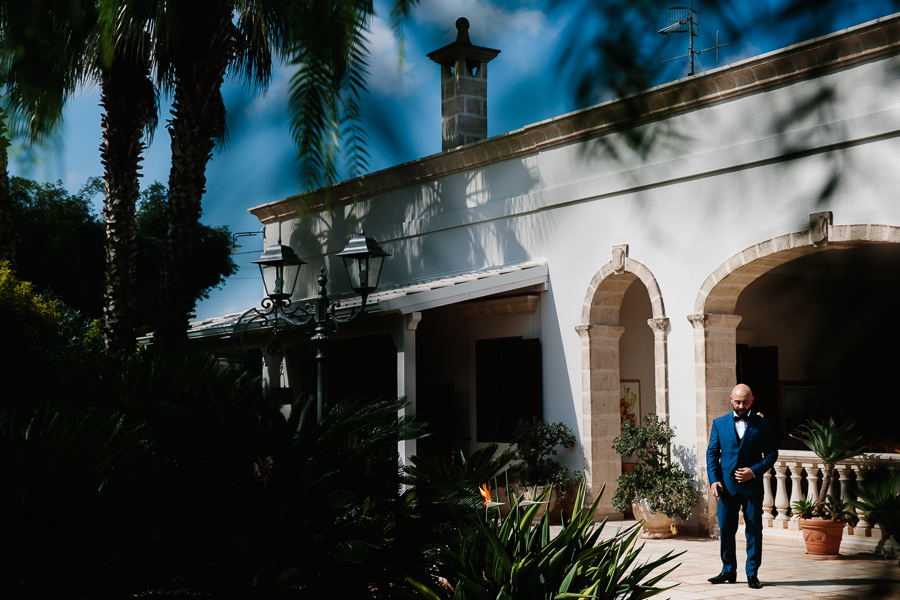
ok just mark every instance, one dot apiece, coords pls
pixel 754 236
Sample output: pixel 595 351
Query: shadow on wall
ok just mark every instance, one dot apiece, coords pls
pixel 461 222
pixel 622 64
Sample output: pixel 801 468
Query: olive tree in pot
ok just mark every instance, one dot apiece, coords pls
pixel 536 443
pixel 823 518
pixel 656 490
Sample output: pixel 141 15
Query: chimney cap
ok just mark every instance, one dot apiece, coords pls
pixel 462 31
pixel 462 48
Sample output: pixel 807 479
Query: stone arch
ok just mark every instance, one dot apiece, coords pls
pixel 715 322
pixel 600 331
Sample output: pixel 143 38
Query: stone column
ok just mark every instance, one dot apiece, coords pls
pixel 406 378
pixel 600 410
pixel 660 329
pixel 714 372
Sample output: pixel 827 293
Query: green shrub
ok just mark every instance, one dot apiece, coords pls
pixel 48 348
pixel 24 315
pixel 668 488
pixel 536 442
pixel 181 478
pixel 509 558
pixel 74 507
pixel 879 500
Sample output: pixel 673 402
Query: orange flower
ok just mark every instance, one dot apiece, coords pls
pixel 486 494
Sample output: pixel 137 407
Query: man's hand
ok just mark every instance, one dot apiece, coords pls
pixel 743 474
pixel 714 488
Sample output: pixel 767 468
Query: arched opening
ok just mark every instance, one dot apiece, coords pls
pixel 623 335
pixel 806 320
pixel 825 323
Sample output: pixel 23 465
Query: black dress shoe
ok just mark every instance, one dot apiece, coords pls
pixel 753 581
pixel 724 577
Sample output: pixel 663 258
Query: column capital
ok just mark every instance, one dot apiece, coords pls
pixel 659 325
pixel 714 320
pixel 598 328
pixel 697 319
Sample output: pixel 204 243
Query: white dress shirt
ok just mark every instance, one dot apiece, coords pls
pixel 740 426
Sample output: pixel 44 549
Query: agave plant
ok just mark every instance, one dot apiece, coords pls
pixel 509 557
pixel 880 502
pixel 833 509
pixel 832 443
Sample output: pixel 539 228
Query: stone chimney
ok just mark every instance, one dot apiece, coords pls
pixel 463 88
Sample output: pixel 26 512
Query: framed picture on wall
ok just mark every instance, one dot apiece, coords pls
pixel 630 400
pixel 802 400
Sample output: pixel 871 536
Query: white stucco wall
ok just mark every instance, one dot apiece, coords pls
pixel 715 181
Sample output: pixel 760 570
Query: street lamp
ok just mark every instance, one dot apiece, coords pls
pixel 280 266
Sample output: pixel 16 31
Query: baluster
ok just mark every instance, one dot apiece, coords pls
pixel 768 502
pixel 812 481
pixel 781 498
pixel 846 493
pixel 842 470
pixel 863 527
pixel 835 477
pixel 796 492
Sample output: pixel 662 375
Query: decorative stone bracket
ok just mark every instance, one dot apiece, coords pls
pixel 819 227
pixel 619 254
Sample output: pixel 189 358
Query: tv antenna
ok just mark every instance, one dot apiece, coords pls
pixel 684 20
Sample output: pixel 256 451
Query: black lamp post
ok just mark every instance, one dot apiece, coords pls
pixel 280 267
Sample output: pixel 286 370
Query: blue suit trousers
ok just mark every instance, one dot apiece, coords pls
pixel 729 505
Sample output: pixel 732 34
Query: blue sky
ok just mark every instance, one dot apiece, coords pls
pixel 526 84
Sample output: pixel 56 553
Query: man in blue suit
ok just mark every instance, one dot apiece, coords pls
pixel 741 449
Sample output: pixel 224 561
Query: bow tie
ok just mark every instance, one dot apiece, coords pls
pixel 739 418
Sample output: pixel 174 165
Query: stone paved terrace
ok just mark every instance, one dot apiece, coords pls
pixel 787 571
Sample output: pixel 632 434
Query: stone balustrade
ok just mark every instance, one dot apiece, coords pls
pixel 799 473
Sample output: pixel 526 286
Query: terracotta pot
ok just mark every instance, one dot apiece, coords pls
pixel 560 504
pixel 822 536
pixel 656 525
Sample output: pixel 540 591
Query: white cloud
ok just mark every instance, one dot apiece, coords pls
pixel 273 101
pixel 387 74
pixel 524 35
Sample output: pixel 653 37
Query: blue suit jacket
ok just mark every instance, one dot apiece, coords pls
pixel 727 453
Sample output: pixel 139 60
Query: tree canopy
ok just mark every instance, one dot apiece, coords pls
pixel 60 247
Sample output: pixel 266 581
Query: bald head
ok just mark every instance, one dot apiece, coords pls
pixel 741 388
pixel 741 399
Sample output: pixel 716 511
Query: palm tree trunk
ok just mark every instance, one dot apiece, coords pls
pixel 198 120
pixel 826 483
pixel 128 100
pixel 7 231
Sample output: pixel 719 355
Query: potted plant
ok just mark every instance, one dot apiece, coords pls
pixel 823 518
pixel 823 524
pixel 655 490
pixel 536 444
